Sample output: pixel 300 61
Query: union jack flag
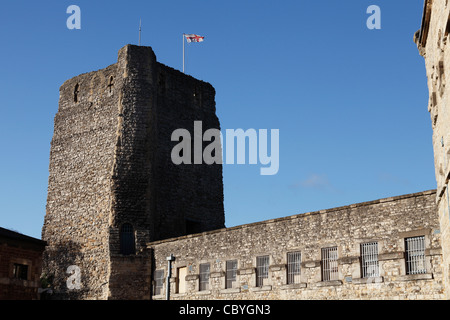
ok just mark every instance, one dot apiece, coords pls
pixel 194 38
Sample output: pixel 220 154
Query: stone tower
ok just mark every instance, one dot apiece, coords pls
pixel 433 41
pixel 112 184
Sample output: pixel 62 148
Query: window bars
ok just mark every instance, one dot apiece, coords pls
pixel 262 270
pixel 127 245
pixel 329 264
pixel 159 281
pixel 293 267
pixel 369 260
pixel 415 255
pixel 204 276
pixel 230 274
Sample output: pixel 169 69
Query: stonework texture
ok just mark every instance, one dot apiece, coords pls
pixel 388 222
pixel 17 249
pixel 118 206
pixel 433 43
pixel 110 165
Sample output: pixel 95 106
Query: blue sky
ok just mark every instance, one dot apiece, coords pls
pixel 350 103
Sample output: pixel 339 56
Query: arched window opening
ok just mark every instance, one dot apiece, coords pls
pixel 127 245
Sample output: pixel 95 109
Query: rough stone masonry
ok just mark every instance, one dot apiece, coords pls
pixel 117 207
pixel 110 170
pixel 432 40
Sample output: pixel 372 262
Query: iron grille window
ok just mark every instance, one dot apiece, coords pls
pixel 329 264
pixel 20 271
pixel 159 281
pixel 127 239
pixel 293 267
pixel 415 255
pixel 204 276
pixel 369 260
pixel 231 271
pixel 262 270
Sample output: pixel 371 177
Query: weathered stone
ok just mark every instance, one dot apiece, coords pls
pixel 384 221
pixel 110 165
pixel 433 43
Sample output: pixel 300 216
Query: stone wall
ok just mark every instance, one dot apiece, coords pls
pixel 433 42
pixel 387 222
pixel 79 198
pixel 16 248
pixel 110 165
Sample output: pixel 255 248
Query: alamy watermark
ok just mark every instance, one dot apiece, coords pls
pixel 74 280
pixel 185 153
pixel 74 20
pixel 374 21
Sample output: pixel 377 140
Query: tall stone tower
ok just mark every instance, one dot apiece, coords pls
pixel 112 184
pixel 433 41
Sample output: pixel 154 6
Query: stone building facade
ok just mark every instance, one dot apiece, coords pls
pixel 20 265
pixel 112 185
pixel 433 43
pixel 118 207
pixel 226 263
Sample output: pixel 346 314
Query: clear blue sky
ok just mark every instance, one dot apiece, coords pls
pixel 350 103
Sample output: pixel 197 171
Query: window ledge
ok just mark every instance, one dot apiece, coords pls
pixel 231 290
pixel 293 286
pixel 412 277
pixel 203 292
pixel 332 283
pixel 177 295
pixel 367 280
pixel 158 297
pixel 259 289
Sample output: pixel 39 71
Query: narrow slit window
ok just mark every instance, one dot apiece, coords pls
pixel 441 78
pixel 127 245
pixel 159 282
pixel 204 276
pixel 76 92
pixel 231 272
pixel 111 84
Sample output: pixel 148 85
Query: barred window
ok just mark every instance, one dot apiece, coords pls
pixel 329 264
pixel 369 260
pixel 204 276
pixel 415 255
pixel 230 274
pixel 159 281
pixel 127 239
pixel 262 270
pixel 293 267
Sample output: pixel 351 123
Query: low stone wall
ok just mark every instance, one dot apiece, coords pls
pixel 388 222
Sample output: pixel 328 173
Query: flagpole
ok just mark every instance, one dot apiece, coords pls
pixel 140 22
pixel 183 52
